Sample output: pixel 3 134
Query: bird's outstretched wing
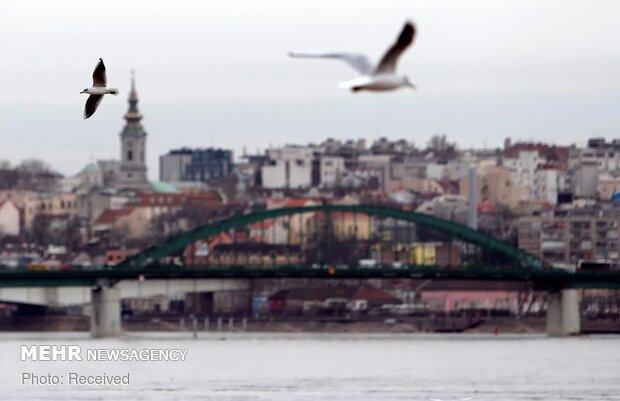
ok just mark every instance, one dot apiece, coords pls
pixel 91 105
pixel 356 60
pixel 388 62
pixel 99 77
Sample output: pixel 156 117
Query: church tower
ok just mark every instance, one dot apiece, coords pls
pixel 132 171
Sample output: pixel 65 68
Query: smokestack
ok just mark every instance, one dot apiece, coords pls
pixel 472 215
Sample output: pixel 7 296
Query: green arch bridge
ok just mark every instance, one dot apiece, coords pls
pixel 515 256
pixel 154 262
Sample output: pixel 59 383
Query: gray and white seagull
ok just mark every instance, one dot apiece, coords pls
pixel 381 77
pixel 97 91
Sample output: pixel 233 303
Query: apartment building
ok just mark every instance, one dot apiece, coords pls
pixel 563 237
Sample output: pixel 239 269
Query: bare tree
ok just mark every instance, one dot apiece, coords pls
pixel 36 175
pixel 439 145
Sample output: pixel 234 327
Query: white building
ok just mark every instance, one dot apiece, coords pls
pixel 606 159
pixel 435 171
pixel 548 182
pixel 449 207
pixel 288 167
pixel 584 180
pixel 456 170
pixel 9 218
pixel 524 168
pixel 377 166
pixel 332 169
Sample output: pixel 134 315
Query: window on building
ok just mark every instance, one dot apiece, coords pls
pixel 130 155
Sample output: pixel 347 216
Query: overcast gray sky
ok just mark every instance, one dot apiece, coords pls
pixel 215 73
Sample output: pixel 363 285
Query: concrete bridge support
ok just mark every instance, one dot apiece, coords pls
pixel 563 315
pixel 105 316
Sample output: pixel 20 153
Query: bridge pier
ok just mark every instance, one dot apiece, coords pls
pixel 105 316
pixel 563 317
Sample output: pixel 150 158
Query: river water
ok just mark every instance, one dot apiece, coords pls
pixel 296 367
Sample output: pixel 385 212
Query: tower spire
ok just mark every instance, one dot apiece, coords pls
pixel 132 93
pixel 133 116
pixel 132 170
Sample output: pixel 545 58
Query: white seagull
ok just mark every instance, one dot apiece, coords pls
pixel 381 77
pixel 97 91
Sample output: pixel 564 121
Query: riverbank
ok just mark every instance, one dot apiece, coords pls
pixel 388 325
pixel 491 325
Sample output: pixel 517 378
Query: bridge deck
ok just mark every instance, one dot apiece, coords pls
pixel 541 279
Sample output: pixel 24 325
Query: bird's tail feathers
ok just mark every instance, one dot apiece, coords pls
pixel 113 91
pixel 346 85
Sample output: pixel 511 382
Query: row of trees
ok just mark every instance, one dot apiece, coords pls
pixel 32 174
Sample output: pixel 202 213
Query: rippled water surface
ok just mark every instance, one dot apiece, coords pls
pixel 295 367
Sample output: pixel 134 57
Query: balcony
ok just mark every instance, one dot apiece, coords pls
pixel 553 245
pixel 552 236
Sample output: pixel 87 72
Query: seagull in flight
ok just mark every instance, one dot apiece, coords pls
pixel 381 77
pixel 97 91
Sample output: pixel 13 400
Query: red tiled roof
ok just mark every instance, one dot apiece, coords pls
pixel 110 216
pixel 486 207
pixel 542 149
pixel 553 166
pixel 297 202
pixel 227 238
pixel 262 225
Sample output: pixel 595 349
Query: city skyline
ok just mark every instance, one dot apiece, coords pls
pixel 484 72
pixel 300 229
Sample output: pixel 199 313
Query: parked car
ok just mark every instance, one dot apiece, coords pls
pixel 400 265
pixel 368 263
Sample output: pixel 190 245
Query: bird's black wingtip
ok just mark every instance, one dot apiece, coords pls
pixel 407 33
